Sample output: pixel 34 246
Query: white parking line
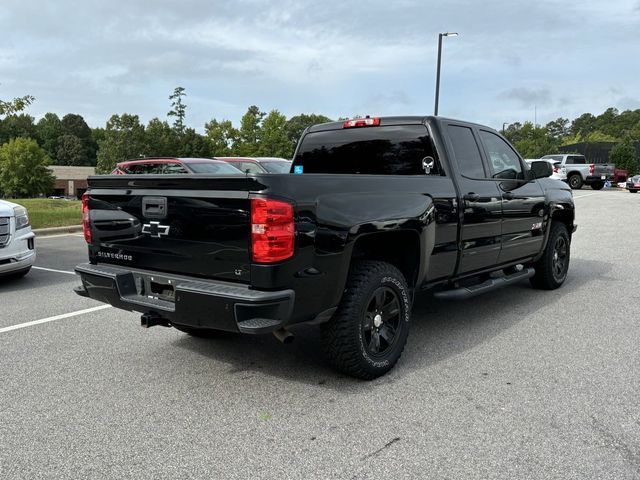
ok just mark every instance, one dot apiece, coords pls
pixel 587 195
pixel 53 319
pixel 44 237
pixel 54 270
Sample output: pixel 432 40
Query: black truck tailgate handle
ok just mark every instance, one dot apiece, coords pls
pixel 154 207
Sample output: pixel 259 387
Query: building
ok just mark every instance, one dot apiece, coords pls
pixel 70 181
pixel 595 152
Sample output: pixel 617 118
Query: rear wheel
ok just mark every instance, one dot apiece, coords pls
pixel 632 191
pixel 551 269
pixel 367 334
pixel 597 185
pixel 575 181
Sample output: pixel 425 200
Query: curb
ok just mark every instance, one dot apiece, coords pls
pixel 43 232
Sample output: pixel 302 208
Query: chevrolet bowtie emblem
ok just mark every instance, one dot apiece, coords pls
pixel 155 229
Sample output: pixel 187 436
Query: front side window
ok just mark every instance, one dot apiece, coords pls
pixel 503 160
pixel 466 151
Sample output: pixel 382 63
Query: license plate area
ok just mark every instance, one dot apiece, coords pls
pixel 603 177
pixel 157 288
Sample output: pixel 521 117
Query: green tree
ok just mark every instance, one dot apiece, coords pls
pixel 71 151
pixel 17 125
pixel 624 156
pixel 74 124
pixel 249 133
pixel 49 129
pixel 192 144
pixel 23 169
pixel 273 137
pixel 298 124
pixel 583 125
pixel 558 128
pixel 178 109
pixel 222 136
pixel 123 139
pixel 161 139
pixel 16 105
pixel 531 141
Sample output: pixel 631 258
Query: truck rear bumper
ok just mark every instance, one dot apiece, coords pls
pixel 187 301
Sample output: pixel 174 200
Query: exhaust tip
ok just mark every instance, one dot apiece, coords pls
pixel 284 336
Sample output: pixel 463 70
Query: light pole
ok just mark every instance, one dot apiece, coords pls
pixel 504 124
pixel 440 35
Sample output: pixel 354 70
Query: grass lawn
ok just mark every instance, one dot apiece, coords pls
pixel 47 212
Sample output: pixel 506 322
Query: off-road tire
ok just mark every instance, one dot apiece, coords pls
pixel 345 335
pixel 548 275
pixel 575 181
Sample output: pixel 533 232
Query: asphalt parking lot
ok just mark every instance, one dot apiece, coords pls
pixel 515 384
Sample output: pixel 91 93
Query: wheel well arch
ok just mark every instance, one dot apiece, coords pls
pixel 400 248
pixel 565 216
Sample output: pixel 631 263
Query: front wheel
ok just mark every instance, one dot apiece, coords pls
pixel 551 269
pixel 367 333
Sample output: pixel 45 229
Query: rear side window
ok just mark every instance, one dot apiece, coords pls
pixel 576 160
pixel 391 150
pixel 143 168
pixel 466 151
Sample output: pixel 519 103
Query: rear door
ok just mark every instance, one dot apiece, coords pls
pixel 481 202
pixel 173 223
pixel 523 202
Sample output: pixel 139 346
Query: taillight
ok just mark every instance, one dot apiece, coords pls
pixel 272 230
pixel 556 169
pixel 362 122
pixel 592 169
pixel 86 223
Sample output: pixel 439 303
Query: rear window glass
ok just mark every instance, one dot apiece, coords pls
pixel 276 167
pixel 221 168
pixel 392 150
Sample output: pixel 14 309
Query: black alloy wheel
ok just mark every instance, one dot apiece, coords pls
pixel 560 259
pixel 381 321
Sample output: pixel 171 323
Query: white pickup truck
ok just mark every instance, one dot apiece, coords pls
pixel 579 172
pixel 17 241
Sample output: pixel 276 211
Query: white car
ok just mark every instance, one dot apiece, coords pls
pixel 17 241
pixel 559 172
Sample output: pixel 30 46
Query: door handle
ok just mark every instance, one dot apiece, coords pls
pixel 508 195
pixel 471 197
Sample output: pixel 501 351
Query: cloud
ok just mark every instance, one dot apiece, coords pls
pixel 332 57
pixel 528 96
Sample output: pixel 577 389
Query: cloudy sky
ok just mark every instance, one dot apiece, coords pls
pixel 337 58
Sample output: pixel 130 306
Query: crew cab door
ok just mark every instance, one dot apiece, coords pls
pixel 480 228
pixel 523 202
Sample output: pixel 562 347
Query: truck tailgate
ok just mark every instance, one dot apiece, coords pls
pixel 197 226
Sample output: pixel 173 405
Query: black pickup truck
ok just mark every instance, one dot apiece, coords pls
pixel 373 211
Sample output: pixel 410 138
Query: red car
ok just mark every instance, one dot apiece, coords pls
pixel 259 164
pixel 171 165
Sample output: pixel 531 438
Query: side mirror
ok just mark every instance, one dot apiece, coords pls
pixel 541 169
pixel 428 164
